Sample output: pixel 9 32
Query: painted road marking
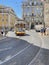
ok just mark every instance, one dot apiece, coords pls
pixel 4 49
pixel 15 54
pixel 0 61
pixel 7 58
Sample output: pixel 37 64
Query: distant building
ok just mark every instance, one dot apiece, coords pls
pixel 7 17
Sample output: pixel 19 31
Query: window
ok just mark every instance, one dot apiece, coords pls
pixel 7 20
pixel 2 19
pixel 2 14
pixel 6 14
pixel 24 18
pixel 41 3
pixel 40 22
pixel 32 14
pixel 36 23
pixel 35 3
pixel 32 3
pixel 0 11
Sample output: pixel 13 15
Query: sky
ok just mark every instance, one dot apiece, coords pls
pixel 15 4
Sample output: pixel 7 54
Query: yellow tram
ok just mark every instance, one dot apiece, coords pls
pixel 19 29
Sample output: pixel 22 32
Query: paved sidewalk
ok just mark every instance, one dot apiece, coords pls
pixel 42 58
pixel 45 40
pixel 38 40
pixel 2 37
pixel 32 37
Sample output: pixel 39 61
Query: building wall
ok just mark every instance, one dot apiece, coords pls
pixel 3 19
pixel 7 17
pixel 46 14
pixel 31 12
pixel 12 20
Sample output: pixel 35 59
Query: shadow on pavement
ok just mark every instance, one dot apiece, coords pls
pixel 27 35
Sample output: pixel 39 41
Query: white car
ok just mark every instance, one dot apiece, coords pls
pixel 38 27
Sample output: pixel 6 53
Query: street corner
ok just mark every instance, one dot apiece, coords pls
pixel 44 40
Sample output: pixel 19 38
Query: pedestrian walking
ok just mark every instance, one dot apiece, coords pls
pixel 47 30
pixel 42 31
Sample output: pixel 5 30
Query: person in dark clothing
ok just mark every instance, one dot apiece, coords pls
pixel 43 30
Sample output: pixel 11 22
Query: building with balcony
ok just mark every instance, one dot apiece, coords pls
pixel 33 11
pixel 7 17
